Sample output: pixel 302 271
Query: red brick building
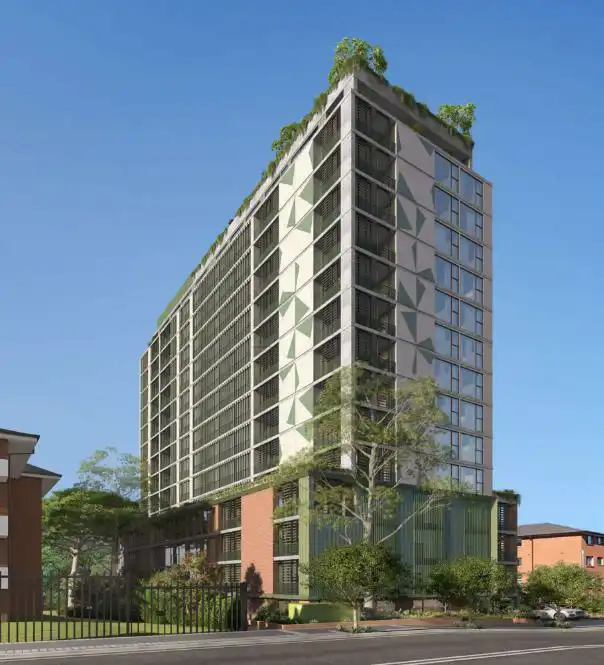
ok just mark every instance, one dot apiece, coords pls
pixel 546 544
pixel 22 487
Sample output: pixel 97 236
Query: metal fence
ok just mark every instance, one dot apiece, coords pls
pixel 82 607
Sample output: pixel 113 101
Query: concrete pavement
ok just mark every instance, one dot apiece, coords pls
pixel 428 647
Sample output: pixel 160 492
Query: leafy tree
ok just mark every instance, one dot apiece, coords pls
pixel 460 116
pixel 352 573
pixel 193 568
pixel 470 583
pixel 563 584
pixel 357 52
pixel 383 438
pixel 80 523
pixel 108 470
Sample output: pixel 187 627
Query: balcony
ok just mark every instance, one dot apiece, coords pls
pixel 266 212
pixel 327 248
pixel 266 426
pixel 286 549
pixel 230 515
pixel 232 555
pixel 375 275
pixel 383 325
pixel 326 139
pixel 266 365
pixel 383 211
pixel 383 137
pixel 266 273
pixel 376 171
pixel 327 211
pixel 286 588
pixel 267 456
pixel 327 175
pixel 327 358
pixel 266 335
pixel 266 304
pixel 375 238
pixel 266 395
pixel 375 351
pixel 327 284
pixel 327 321
pixel 266 243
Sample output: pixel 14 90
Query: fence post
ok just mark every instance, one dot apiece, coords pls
pixel 243 605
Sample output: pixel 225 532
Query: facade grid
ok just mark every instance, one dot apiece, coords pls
pixel 370 244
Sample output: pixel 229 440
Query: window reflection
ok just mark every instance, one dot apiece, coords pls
pixel 444 242
pixel 446 173
pixel 471 351
pixel 470 254
pixel 471 319
pixel 470 221
pixel 446 207
pixel 471 189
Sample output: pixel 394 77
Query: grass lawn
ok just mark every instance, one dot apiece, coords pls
pixel 73 629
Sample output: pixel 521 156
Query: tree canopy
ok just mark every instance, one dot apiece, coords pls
pixel 356 52
pixel 470 583
pixel 352 573
pixel 460 116
pixel 109 470
pixel 563 584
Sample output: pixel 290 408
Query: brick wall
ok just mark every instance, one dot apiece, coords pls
pixel 547 551
pixel 257 536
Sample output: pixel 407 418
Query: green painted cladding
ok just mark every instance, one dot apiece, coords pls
pixel 423 534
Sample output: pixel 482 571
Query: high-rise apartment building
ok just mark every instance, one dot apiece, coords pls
pixel 371 242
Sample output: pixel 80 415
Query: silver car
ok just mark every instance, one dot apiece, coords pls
pixel 551 612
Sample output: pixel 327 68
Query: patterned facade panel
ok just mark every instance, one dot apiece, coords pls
pixel 405 251
pixel 286 411
pixel 425 260
pixel 406 214
pixel 415 149
pixel 414 184
pixel 303 165
pixel 292 442
pixel 426 329
pixel 425 228
pixel 425 296
pixel 406 325
pixel 406 288
pixel 298 238
pixel 405 358
pixel 305 368
pixel 288 380
pixel 295 308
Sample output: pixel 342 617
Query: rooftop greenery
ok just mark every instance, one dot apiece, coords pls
pixel 351 54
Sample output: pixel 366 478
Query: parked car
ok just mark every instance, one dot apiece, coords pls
pixel 551 612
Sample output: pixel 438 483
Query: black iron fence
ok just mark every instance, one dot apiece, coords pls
pixel 61 608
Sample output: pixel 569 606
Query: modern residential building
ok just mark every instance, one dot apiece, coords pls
pixel 22 488
pixel 546 544
pixel 370 242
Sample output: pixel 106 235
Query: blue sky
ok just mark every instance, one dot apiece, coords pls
pixel 131 131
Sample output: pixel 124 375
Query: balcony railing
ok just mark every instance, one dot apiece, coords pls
pixel 385 139
pixel 321 150
pixel 381 325
pixel 384 287
pixel 323 294
pixel 286 549
pixel 324 330
pixel 375 172
pixel 263 402
pixel 322 258
pixel 228 522
pixel 286 588
pixel 385 213
pixel 385 364
pixel 325 365
pixel 230 555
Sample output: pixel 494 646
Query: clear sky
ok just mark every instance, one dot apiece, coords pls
pixel 131 131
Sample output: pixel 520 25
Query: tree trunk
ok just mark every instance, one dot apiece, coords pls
pixel 75 562
pixel 355 617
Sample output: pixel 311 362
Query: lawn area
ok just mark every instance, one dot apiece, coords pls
pixel 73 629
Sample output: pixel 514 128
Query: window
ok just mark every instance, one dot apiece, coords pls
pixel 471 383
pixel 600 561
pixel 472 449
pixel 471 319
pixel 590 540
pixel 446 342
pixel 446 174
pixel 446 207
pixel 446 375
pixel 447 308
pixel 471 286
pixel 450 407
pixel 470 254
pixel 448 441
pixel 470 221
pixel 589 561
pixel 472 478
pixel 471 416
pixel 471 350
pixel 447 275
pixel 519 561
pixel 471 189
pixel 447 241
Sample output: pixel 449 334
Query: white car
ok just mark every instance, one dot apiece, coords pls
pixel 551 612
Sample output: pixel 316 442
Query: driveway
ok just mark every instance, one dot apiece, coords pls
pixel 581 646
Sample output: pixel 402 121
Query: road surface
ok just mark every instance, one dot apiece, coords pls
pixel 484 647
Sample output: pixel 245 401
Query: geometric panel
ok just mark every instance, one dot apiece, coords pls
pixel 411 321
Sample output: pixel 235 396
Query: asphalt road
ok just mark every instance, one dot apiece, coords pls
pixel 486 647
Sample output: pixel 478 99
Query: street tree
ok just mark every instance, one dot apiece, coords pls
pixel 564 584
pixel 469 583
pixel 350 574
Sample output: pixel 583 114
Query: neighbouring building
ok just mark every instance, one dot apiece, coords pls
pixel 371 241
pixel 546 544
pixel 22 488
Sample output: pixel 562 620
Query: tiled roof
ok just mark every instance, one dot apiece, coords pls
pixel 546 529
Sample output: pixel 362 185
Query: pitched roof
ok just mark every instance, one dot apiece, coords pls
pixel 546 529
pixel 39 471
